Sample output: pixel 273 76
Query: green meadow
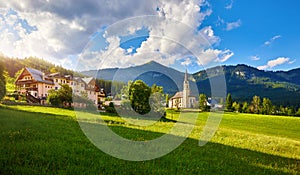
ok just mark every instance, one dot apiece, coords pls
pixel 46 140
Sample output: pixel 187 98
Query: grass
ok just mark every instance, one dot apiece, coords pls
pixel 46 140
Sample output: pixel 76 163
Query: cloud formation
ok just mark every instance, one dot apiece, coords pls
pixel 255 58
pixel 270 41
pixel 272 63
pixel 59 30
pixel 230 5
pixel 233 25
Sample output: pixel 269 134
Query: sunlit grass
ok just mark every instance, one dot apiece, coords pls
pixel 38 140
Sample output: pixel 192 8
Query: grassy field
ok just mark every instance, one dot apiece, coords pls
pixel 43 140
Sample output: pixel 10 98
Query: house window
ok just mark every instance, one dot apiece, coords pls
pixel 56 88
pixel 72 83
pixel 56 80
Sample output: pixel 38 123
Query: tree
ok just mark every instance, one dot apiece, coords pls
pixel 53 70
pixel 202 102
pixel 228 106
pixel 2 81
pixel 125 90
pixel 237 107
pixel 267 107
pixel 139 94
pixel 256 104
pixel 298 112
pixel 245 107
pixel 157 99
pixel 167 100
pixel 61 96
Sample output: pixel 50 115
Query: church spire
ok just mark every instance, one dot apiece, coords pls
pixel 186 75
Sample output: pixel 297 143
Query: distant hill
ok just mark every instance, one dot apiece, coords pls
pixel 13 65
pixel 243 82
pixel 151 73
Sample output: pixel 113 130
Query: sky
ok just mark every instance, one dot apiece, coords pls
pixel 183 34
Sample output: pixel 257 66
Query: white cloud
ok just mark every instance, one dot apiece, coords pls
pixel 233 25
pixel 64 27
pixel 263 67
pixel 187 61
pixel 291 62
pixel 255 58
pixel 230 5
pixel 213 54
pixel 270 41
pixel 273 63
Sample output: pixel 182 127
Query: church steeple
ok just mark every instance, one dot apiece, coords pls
pixel 186 91
pixel 186 76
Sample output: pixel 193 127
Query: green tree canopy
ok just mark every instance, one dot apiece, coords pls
pixel 267 106
pixel 256 104
pixel 2 81
pixel 61 96
pixel 228 105
pixel 139 94
pixel 202 102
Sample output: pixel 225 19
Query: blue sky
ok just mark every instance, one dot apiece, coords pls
pixel 260 22
pixel 263 34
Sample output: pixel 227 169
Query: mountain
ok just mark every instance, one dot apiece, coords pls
pixel 151 73
pixel 243 82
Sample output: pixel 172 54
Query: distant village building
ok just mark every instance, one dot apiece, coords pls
pixel 183 99
pixel 36 85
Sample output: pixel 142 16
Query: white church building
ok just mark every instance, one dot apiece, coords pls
pixel 183 99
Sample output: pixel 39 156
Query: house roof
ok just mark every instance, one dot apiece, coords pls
pixel 38 75
pixel 87 80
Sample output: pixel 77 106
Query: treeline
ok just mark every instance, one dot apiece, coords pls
pixel 111 88
pixel 13 65
pixel 2 81
pixel 260 106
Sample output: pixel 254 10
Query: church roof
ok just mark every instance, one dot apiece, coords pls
pixel 178 95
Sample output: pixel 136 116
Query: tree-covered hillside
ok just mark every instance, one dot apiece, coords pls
pixel 244 82
pixel 13 65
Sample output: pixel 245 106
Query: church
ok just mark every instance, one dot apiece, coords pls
pixel 183 99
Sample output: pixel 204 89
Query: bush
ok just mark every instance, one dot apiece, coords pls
pixel 110 108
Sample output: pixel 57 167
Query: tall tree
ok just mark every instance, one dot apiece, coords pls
pixel 139 94
pixel 267 107
pixel 245 107
pixel 2 81
pixel 228 106
pixel 256 104
pixel 157 99
pixel 202 102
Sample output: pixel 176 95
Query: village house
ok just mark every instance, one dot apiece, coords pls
pixel 36 85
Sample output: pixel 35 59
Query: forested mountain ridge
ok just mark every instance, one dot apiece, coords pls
pixel 13 65
pixel 242 81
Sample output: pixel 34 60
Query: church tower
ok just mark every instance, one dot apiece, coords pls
pixel 186 92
